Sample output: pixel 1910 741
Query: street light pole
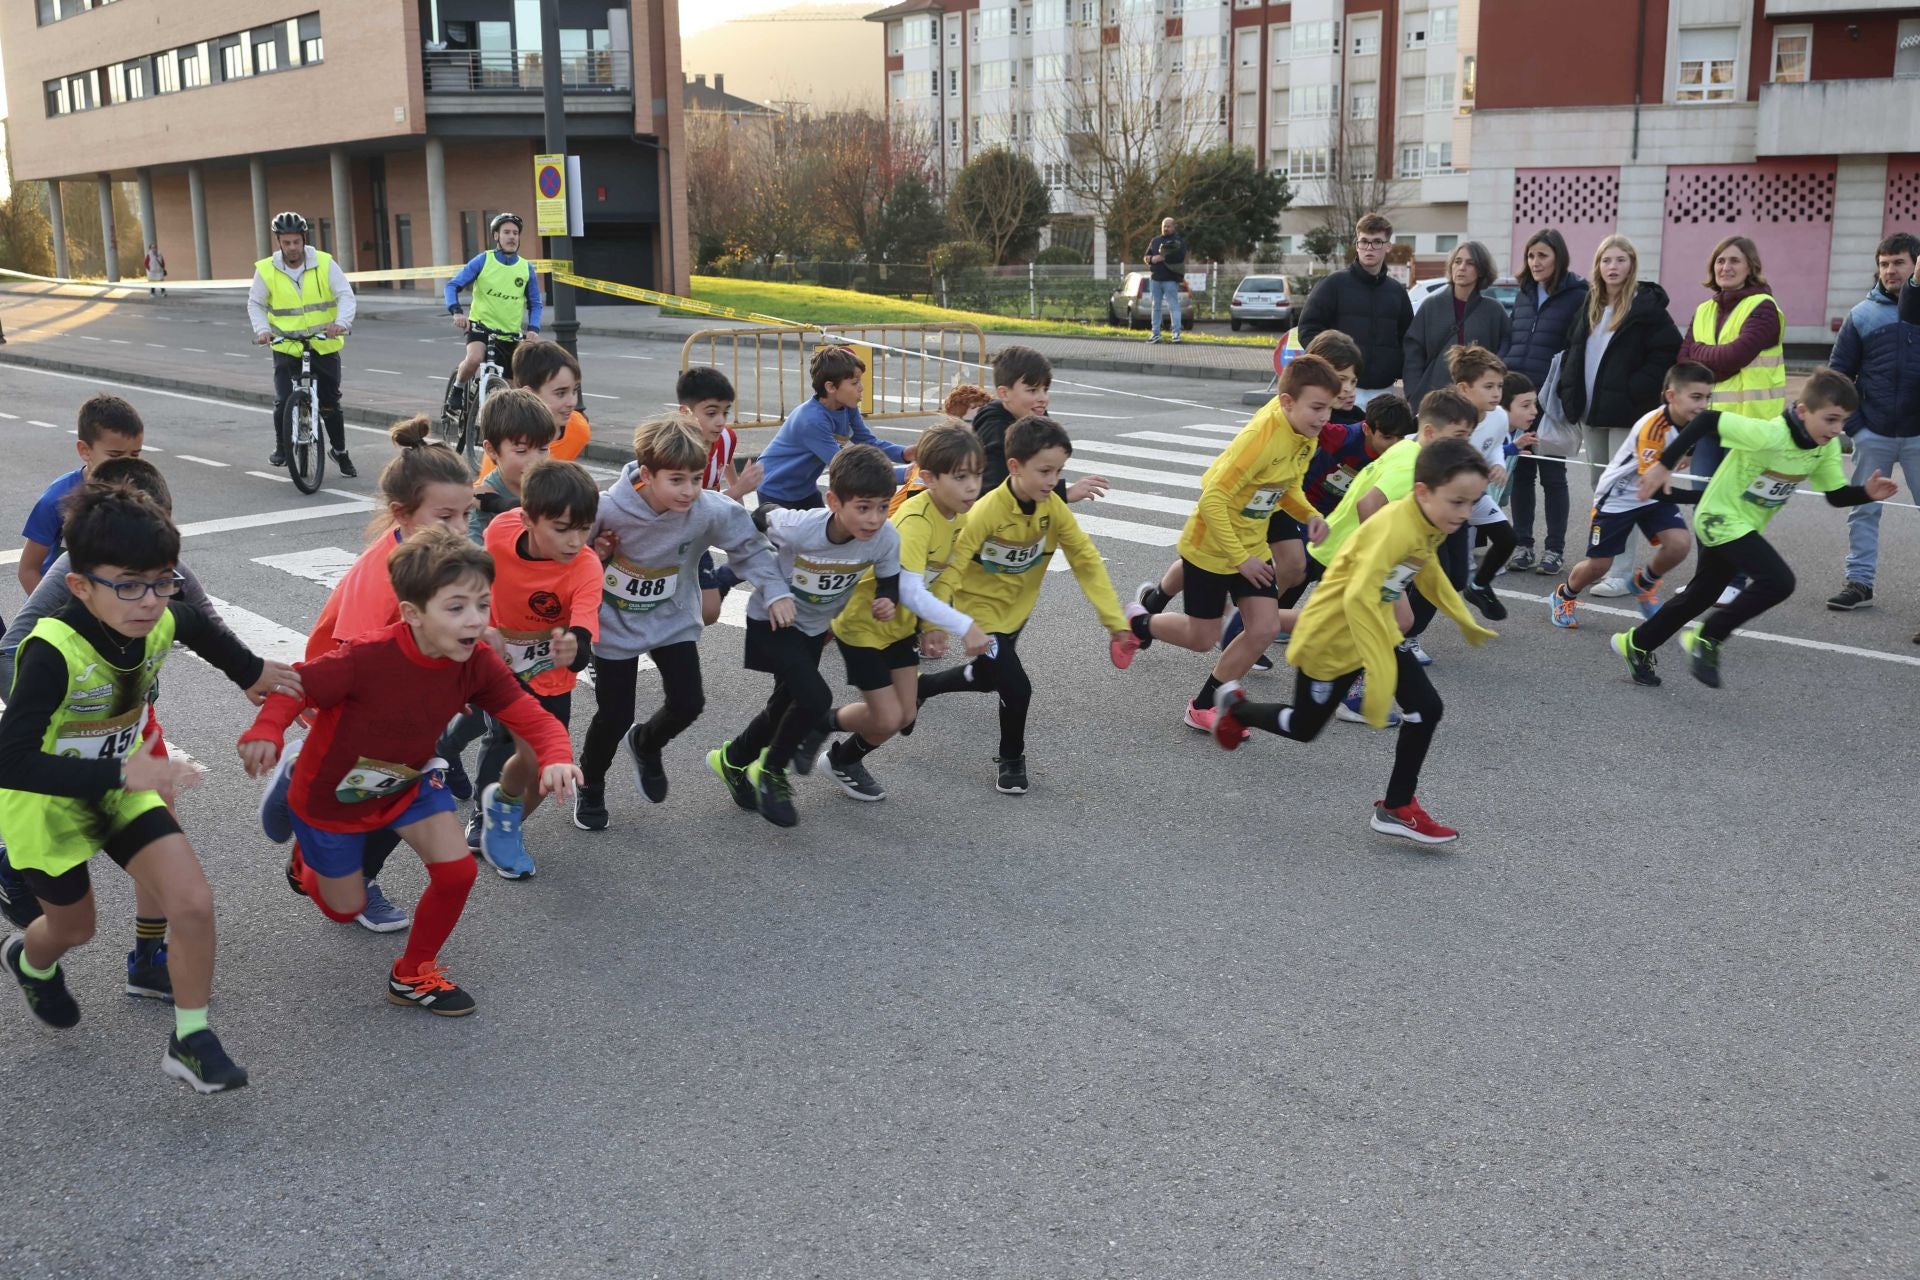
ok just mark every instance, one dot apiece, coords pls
pixel 566 329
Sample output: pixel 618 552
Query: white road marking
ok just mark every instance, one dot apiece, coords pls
pixel 88 338
pixel 268 475
pixel 263 635
pixel 392 372
pixel 35 422
pixel 1115 471
pixel 1153 535
pixel 1169 437
pixel 10 417
pixel 161 345
pixel 205 462
pixel 119 342
pixel 1103 417
pixel 237 356
pixel 1134 451
pixel 324 565
pixel 199 351
pixel 1142 502
pixel 595 395
pixel 260 520
pixel 152 448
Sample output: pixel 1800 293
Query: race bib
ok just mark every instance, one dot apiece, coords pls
pixel 1338 479
pixel 1007 557
pixel 825 581
pixel 528 652
pixel 636 588
pixel 1771 490
pixel 1262 503
pixel 112 739
pixel 1398 579
pixel 373 780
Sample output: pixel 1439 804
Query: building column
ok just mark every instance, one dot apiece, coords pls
pixel 1859 205
pixel 262 236
pixel 344 245
pixel 109 240
pixel 197 200
pixel 57 215
pixel 437 200
pixel 1643 215
pixel 149 222
pixel 1099 248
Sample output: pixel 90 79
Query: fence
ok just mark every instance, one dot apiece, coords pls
pixel 910 367
pixel 509 71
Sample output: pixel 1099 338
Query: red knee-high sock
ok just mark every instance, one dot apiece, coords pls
pixel 310 881
pixel 439 910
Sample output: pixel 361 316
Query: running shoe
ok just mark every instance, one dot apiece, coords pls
pixel 1613 584
pixel 431 989
pixel 1410 822
pixel 378 912
pixel 1705 654
pixel 1551 564
pixel 590 808
pixel 147 975
pixel 49 998
pixel 773 793
pixel 500 838
pixel 1125 645
pixel 292 872
pixel 649 772
pixel 276 816
pixel 1206 720
pixel 476 825
pixel 1639 661
pixel 809 748
pixel 457 780
pixel 1564 608
pixel 1648 600
pixel 1263 664
pixel 1520 561
pixel 1483 599
pixel 17 902
pixel 1349 708
pixel 1227 729
pixel 1150 597
pixel 201 1062
pixel 1855 595
pixel 1013 775
pixel 852 777
pixel 734 776
pixel 1420 655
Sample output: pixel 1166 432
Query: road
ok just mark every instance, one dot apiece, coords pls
pixel 1175 1012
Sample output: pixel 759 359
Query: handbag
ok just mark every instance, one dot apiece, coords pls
pixel 1558 437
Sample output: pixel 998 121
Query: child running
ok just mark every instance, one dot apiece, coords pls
pixel 1481 377
pixel 816 431
pixel 80 777
pixel 998 560
pixel 516 431
pixel 368 765
pixel 706 396
pixel 881 659
pixel 656 523
pixel 109 427
pixel 1225 553
pixel 1766 461
pixel 1353 622
pixel 823 555
pixel 1022 377
pixel 961 404
pixel 1618 508
pixel 546 608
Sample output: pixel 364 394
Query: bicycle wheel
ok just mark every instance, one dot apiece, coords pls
pixel 306 459
pixel 453 426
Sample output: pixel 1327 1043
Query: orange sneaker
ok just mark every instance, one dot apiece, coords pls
pixel 429 988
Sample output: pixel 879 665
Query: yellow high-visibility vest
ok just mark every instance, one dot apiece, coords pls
pixel 297 308
pixel 1760 389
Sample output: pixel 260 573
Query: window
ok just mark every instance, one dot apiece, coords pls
pixel 139 82
pixel 896 90
pixel 1439 157
pixel 1280 105
pixel 266 57
pixel 919 84
pixel 1176 56
pixel 953 34
pixel 1443 25
pixel 1706 64
pixel 1026 19
pixel 1247 48
pixel 953 132
pixel 193 66
pixel 918 30
pixel 1247 107
pixel 1280 41
pixel 117 83
pixel 893 38
pixel 1311 38
pixel 1312 101
pixel 953 82
pixel 1792 51
pixel 1469 74
pixel 1050 15
pixel 1410 160
pixel 1906 57
pixel 233 59
pixel 1440 92
pixel 973 131
pixel 1366 102
pixel 1283 245
pixel 1445 244
pixel 996 23
pixel 1360 161
pixel 1416 35
pixel 1366 36
pixel 994 75
pixel 1309 162
pixel 166 72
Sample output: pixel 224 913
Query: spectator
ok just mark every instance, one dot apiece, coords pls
pixel 1880 351
pixel 1618 352
pixel 1367 305
pixel 156 269
pixel 1167 256
pixel 1463 316
pixel 1543 311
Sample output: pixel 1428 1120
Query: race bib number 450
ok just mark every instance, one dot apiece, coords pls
pixel 634 588
pixel 825 581
pixel 1011 557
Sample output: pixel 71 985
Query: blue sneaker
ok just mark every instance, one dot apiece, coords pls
pixel 379 914
pixel 17 902
pixel 147 975
pixel 500 842
pixel 276 817
pixel 476 823
pixel 1349 708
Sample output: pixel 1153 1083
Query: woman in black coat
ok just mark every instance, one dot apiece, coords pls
pixel 1543 312
pixel 1618 352
pixel 1456 317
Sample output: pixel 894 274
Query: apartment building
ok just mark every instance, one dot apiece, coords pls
pixel 1314 88
pixel 398 127
pixel 1677 122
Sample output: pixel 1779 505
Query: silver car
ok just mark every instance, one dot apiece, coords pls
pixel 1131 306
pixel 1261 300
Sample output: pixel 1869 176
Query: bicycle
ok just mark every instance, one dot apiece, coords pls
pixel 306 447
pixel 462 429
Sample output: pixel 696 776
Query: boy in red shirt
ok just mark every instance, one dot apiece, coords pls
pixel 546 607
pixel 390 693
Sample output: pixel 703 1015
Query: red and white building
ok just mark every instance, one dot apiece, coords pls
pixel 1677 122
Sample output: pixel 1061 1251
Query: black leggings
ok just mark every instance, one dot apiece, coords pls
pixel 616 692
pixel 1500 544
pixel 1552 475
pixel 1002 674
pixel 800 701
pixel 1769 581
pixel 326 381
pixel 1456 557
pixel 1314 702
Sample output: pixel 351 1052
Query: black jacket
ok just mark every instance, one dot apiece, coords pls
pixel 1372 310
pixel 1627 386
pixel 1540 329
pixel 1433 336
pixel 1174 250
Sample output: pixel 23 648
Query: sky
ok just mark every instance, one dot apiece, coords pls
pixel 711 13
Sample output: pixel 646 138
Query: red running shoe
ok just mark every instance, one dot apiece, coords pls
pixel 1227 729
pixel 1207 720
pixel 1410 822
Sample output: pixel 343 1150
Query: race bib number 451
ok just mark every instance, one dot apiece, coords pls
pixel 112 739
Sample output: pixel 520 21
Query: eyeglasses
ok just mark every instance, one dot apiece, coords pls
pixel 1370 243
pixel 164 588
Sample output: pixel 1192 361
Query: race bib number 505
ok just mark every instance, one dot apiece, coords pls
pixel 1771 490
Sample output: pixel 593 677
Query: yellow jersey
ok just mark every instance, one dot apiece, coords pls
pixel 1001 554
pixel 1261 470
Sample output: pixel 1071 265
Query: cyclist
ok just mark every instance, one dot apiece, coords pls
pixel 298 291
pixel 505 292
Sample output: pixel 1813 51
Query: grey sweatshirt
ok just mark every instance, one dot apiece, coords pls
pixel 52 595
pixel 650 594
pixel 821 573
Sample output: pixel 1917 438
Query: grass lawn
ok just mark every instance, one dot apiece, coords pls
pixel 811 304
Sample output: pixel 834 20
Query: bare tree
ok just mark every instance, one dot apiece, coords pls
pixel 1362 181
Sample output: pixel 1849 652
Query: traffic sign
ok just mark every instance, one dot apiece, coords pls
pixel 550 195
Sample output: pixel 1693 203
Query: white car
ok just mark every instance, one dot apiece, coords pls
pixel 1420 290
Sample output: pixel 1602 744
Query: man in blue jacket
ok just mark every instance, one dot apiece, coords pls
pixel 1880 351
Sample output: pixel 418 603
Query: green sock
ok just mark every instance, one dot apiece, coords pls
pixel 26 967
pixel 188 1021
pixel 507 799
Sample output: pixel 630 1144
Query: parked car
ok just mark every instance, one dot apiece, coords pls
pixel 1420 290
pixel 1503 291
pixel 1261 300
pixel 1132 306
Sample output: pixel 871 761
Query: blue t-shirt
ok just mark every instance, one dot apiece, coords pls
pixel 43 522
pixel 806 443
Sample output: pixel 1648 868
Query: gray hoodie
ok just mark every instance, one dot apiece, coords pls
pixel 650 593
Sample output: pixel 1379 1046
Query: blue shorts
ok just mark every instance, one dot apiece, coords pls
pixel 1611 529
pixel 1282 527
pixel 339 853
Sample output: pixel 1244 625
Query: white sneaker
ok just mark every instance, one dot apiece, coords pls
pixel 1611 586
pixel 1727 597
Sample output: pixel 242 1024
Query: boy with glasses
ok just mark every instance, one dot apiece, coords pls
pixel 1367 305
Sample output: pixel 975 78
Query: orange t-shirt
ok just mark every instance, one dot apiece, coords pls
pixel 532 597
pixel 566 446
pixel 361 603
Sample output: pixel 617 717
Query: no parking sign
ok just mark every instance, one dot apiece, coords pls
pixel 550 195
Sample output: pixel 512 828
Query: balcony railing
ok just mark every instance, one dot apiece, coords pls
pixel 473 71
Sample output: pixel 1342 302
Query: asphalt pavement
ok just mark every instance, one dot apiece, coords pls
pixel 1174 1013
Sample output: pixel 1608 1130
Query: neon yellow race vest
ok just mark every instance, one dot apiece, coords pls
pixel 500 295
pixel 294 309
pixel 1760 389
pixel 102 717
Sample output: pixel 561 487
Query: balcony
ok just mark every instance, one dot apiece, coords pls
pixel 607 71
pixel 1813 8
pixel 1837 117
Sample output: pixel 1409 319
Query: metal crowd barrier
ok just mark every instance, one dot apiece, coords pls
pixel 910 367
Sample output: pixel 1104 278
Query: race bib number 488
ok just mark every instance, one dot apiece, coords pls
pixel 633 588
